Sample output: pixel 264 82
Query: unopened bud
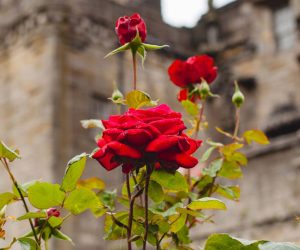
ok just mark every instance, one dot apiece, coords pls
pixel 204 90
pixel 238 98
pixel 116 95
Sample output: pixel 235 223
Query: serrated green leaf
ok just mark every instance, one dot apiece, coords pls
pixel 156 192
pixel 230 192
pixel 256 136
pixel 31 215
pixel 28 244
pixel 80 200
pixel 108 198
pixel 207 203
pixel 92 183
pixel 6 198
pixel 92 123
pixel 213 168
pixel 171 181
pixel 137 99
pixel 73 172
pixel 6 152
pixel 190 107
pixel 207 154
pixel 44 195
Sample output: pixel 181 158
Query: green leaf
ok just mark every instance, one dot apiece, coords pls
pixel 44 195
pixel 183 235
pixel 137 99
pixel 213 168
pixel 224 241
pixel 230 149
pixel 122 48
pixel 73 172
pixel 156 192
pixel 256 136
pixel 173 182
pixel 31 215
pixel 80 200
pixel 278 246
pixel 92 183
pixel 108 198
pixel 177 222
pixel 55 221
pixel 92 123
pixel 230 192
pixel 6 198
pixel 154 47
pixel 24 188
pixel 190 107
pixel 230 170
pixel 163 226
pixel 28 244
pixel 59 235
pixel 207 154
pixel 6 152
pixel 142 52
pixel 207 203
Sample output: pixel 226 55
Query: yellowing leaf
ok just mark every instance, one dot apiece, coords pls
pixel 177 222
pixel 230 192
pixel 256 136
pixel 92 183
pixel 137 99
pixel 190 107
pixel 207 203
pixel 6 152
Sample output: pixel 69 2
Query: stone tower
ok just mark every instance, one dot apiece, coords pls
pixel 52 75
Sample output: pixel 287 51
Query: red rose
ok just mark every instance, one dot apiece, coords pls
pixel 183 95
pixel 152 136
pixel 195 68
pixel 126 28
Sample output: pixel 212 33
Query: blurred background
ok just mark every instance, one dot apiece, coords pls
pixel 53 74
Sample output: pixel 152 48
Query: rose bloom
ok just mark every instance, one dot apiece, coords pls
pixel 126 28
pixel 183 95
pixel 193 70
pixel 151 136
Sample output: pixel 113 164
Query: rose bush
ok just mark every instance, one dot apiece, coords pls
pixel 152 136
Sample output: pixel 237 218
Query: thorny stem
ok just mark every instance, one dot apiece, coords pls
pixel 22 197
pixel 148 173
pixel 136 184
pixel 134 69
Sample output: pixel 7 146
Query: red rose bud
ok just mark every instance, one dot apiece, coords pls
pixel 195 68
pixel 153 136
pixel 53 212
pixel 127 27
pixel 184 95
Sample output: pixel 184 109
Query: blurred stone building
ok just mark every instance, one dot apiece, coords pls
pixel 52 75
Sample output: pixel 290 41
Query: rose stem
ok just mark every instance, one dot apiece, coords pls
pixel 148 173
pixel 13 179
pixel 130 213
pixel 237 123
pixel 134 69
pixel 198 124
